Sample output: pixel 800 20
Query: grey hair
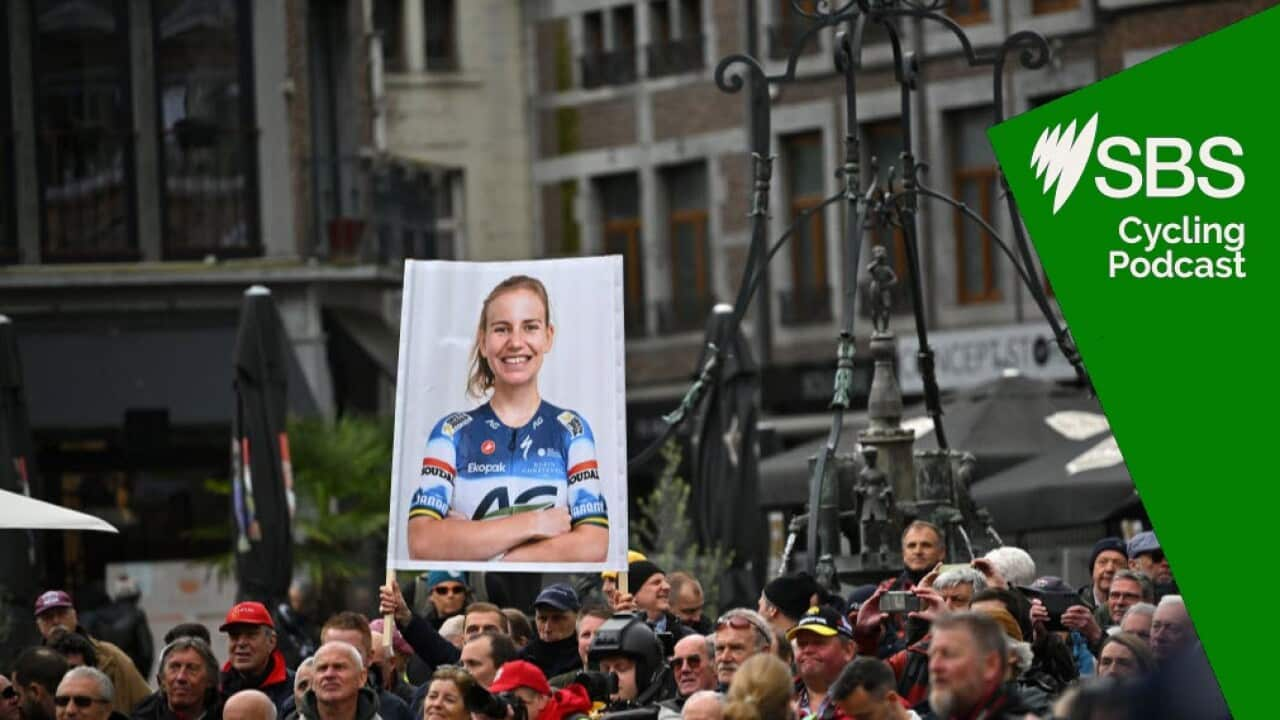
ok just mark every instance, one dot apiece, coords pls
pixel 344 646
pixel 703 695
pixel 1022 653
pixel 105 688
pixel 453 627
pixel 1171 600
pixel 764 631
pixel 309 662
pixel 1142 608
pixel 187 642
pixel 961 576
pixel 1014 564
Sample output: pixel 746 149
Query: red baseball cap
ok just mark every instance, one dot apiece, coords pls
pixel 520 673
pixel 248 613
pixel 51 599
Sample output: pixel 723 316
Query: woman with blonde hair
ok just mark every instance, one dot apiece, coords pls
pixel 516 478
pixel 447 693
pixel 761 690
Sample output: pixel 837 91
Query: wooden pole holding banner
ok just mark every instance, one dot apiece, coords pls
pixel 622 582
pixel 389 620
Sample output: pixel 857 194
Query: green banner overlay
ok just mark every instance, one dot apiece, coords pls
pixel 1153 200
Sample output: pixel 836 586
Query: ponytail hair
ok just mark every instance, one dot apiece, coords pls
pixel 761 690
pixel 480 379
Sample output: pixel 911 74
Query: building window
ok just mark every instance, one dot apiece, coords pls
pixel 809 298
pixel 1041 7
pixel 690 255
pixel 411 210
pixel 208 164
pixel 974 177
pixel 609 47
pixel 788 28
pixel 672 53
pixel 386 22
pixel 970 12
pixel 8 223
pixel 440 22
pixel 84 128
pixel 882 142
pixel 620 212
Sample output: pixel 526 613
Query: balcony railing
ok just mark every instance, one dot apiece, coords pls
pixel 686 314
pixel 614 67
pixel 86 195
pixel 675 57
pixel 785 36
pixel 209 196
pixel 807 305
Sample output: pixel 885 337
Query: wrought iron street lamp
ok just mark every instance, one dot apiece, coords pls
pixel 891 485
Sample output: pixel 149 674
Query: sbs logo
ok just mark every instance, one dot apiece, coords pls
pixel 1061 155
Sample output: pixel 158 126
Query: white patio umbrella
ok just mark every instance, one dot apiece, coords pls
pixel 19 512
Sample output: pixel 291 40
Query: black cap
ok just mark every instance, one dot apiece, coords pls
pixel 1103 545
pixel 559 596
pixel 639 571
pixel 791 594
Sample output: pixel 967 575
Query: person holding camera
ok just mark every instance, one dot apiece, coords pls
pixel 627 647
pixel 877 630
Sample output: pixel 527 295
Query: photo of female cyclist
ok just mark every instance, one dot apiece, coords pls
pixel 515 478
pixel 510 449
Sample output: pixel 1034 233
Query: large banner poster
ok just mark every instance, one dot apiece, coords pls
pixel 510 435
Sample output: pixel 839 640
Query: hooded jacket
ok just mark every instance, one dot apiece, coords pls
pixel 276 682
pixel 366 706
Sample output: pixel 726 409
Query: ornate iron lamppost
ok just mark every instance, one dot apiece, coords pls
pixel 870 499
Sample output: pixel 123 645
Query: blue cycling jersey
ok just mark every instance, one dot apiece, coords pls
pixel 477 466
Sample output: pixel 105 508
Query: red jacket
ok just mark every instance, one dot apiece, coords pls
pixel 566 703
pixel 911 668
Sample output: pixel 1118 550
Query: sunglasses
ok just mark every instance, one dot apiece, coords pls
pixel 1155 555
pixel 81 701
pixel 694 662
pixel 738 622
pixel 449 590
pixel 8 693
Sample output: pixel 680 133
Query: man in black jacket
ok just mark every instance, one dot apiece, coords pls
pixel 555 648
pixel 341 690
pixel 353 629
pixel 188 678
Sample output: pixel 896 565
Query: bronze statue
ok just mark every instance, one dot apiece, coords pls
pixel 883 280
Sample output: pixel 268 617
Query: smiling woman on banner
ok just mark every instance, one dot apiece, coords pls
pixel 516 478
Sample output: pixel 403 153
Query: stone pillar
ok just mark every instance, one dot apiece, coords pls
pixel 413 37
pixel 146 123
